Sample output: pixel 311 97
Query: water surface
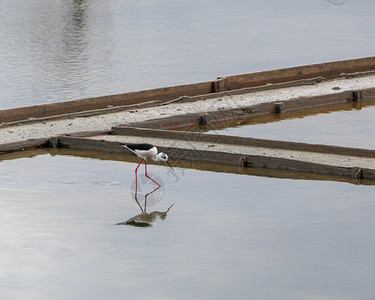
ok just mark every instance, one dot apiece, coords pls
pixel 227 235
pixel 59 50
pixel 349 128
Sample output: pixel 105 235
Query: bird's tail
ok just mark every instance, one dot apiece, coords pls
pixel 126 146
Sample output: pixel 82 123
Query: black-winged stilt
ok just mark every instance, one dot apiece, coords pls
pixel 145 151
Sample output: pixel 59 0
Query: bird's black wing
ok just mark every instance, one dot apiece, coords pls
pixel 142 146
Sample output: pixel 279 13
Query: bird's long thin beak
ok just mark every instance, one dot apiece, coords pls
pixel 169 165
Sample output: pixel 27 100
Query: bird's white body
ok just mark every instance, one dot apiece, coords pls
pixel 146 154
pixel 146 151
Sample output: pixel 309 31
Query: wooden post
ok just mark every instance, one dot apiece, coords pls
pixel 219 85
pixel 279 108
pixel 357 96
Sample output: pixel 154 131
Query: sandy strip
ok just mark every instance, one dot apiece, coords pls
pixel 47 129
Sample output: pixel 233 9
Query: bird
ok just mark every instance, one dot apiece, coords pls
pixel 147 151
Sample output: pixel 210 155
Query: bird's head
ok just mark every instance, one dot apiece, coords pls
pixel 162 157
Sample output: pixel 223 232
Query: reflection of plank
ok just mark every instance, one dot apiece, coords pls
pixel 241 153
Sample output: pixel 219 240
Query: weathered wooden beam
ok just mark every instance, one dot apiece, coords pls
pixel 241 141
pixel 368 93
pixel 88 133
pixel 213 167
pixel 328 70
pixel 220 90
pixel 258 80
pixel 254 161
pixel 24 145
pixel 67 107
pixel 89 144
pixel 212 117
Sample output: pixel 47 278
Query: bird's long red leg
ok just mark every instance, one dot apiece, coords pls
pixel 136 198
pixel 149 195
pixel 136 170
pixel 136 186
pixel 149 176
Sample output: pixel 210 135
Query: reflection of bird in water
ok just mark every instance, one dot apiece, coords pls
pixel 145 151
pixel 145 219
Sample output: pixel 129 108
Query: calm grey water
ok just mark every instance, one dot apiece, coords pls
pixel 353 128
pixel 69 49
pixel 226 237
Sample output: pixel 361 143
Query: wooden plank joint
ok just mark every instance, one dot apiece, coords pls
pixel 357 173
pixel 219 85
pixel 357 96
pixel 279 108
pixel 203 120
pixel 54 142
pixel 243 162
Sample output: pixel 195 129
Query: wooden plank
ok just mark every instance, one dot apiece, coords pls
pixel 165 94
pixel 24 145
pixel 24 115
pixel 267 87
pixel 253 161
pixel 328 70
pixel 241 141
pixel 200 165
pixel 220 86
pixel 212 117
pixel 368 93
pixel 88 133
pixel 61 108
pixel 89 144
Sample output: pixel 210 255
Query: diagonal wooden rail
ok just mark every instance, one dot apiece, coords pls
pixel 264 79
pixel 237 151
